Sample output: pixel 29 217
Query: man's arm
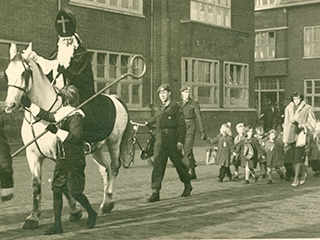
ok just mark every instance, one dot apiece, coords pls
pixel 181 125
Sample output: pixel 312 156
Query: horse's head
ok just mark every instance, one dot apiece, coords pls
pixel 18 74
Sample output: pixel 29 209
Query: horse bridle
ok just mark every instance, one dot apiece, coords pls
pixel 26 75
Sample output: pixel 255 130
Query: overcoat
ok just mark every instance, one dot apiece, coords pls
pixel 225 149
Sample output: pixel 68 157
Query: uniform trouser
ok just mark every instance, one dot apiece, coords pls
pixel 188 157
pixel 168 149
pixel 6 171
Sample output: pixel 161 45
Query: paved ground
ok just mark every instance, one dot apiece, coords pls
pixel 214 210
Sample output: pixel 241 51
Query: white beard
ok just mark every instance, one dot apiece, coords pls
pixel 65 53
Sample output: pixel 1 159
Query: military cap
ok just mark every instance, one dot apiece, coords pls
pixel 163 87
pixel 65 23
pixel 185 87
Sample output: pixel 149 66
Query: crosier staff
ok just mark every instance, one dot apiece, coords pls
pixel 90 98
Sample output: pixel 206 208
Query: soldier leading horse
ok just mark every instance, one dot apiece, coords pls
pixel 26 77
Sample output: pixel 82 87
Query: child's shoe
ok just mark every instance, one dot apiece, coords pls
pixel 246 182
pixel 269 181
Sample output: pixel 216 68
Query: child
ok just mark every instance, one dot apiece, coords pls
pixel 313 146
pixel 225 148
pixel 237 139
pixel 249 151
pixel 70 163
pixel 262 138
pixel 6 171
pixel 275 155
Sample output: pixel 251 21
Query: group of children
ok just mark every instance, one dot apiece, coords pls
pixel 252 146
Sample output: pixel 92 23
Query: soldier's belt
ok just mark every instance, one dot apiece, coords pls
pixel 189 119
pixel 167 130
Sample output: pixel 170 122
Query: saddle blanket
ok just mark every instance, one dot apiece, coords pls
pixel 100 118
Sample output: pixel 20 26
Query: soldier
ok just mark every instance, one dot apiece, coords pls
pixel 191 111
pixel 6 171
pixel 170 136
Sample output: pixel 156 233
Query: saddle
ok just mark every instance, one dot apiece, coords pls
pixel 100 118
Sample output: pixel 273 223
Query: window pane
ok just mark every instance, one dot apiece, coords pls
pixel 124 64
pixel 316 102
pixel 125 92
pixel 114 89
pixel 135 94
pixel 235 96
pixel 135 4
pixel 204 95
pixel 113 65
pixel 316 86
pixel 100 85
pixel 125 3
pixel 113 2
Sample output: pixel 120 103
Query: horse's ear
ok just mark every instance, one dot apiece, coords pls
pixel 26 52
pixel 13 50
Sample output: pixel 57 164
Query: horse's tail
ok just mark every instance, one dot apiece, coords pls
pixel 125 155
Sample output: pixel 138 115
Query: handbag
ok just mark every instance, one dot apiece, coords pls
pixel 301 139
pixel 211 156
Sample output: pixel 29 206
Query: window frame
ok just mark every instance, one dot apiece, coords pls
pixel 259 3
pixel 312 94
pixel 244 103
pixel 109 7
pixel 313 42
pixel 225 11
pixel 190 76
pixel 265 47
pixel 106 79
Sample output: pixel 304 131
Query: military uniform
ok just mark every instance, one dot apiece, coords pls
pixel 191 111
pixel 170 132
pixel 170 128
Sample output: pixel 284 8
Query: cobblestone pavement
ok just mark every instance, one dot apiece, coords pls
pixel 213 211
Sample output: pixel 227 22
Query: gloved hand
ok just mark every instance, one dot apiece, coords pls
pixel 52 128
pixel 25 101
pixel 179 145
pixel 33 56
pixel 61 69
pixel 203 136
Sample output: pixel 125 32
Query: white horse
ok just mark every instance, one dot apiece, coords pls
pixel 26 77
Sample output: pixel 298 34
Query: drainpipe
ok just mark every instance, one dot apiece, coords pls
pixel 152 57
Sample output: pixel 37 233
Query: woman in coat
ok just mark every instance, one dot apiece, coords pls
pixel 299 116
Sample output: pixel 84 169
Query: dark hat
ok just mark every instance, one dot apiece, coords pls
pixel 65 23
pixel 186 87
pixel 163 87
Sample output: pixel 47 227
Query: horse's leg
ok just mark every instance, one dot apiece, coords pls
pixel 100 157
pixel 75 211
pixel 35 165
pixel 103 173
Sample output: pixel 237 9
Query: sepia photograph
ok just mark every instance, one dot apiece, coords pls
pixel 159 119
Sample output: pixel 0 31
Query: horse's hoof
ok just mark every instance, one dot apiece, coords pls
pixel 75 217
pixel 30 224
pixel 107 207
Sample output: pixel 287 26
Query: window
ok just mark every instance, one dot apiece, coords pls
pixel 236 84
pixel 127 6
pixel 312 92
pixel 217 12
pixel 265 3
pixel 312 41
pixel 203 76
pixel 4 61
pixel 265 45
pixel 272 88
pixel 108 66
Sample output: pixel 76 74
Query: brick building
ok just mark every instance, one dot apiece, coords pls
pixel 287 50
pixel 208 44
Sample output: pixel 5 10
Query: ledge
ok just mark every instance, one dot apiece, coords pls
pixel 104 8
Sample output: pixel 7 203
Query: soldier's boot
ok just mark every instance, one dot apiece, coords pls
pixel 155 196
pixel 187 190
pixel 192 173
